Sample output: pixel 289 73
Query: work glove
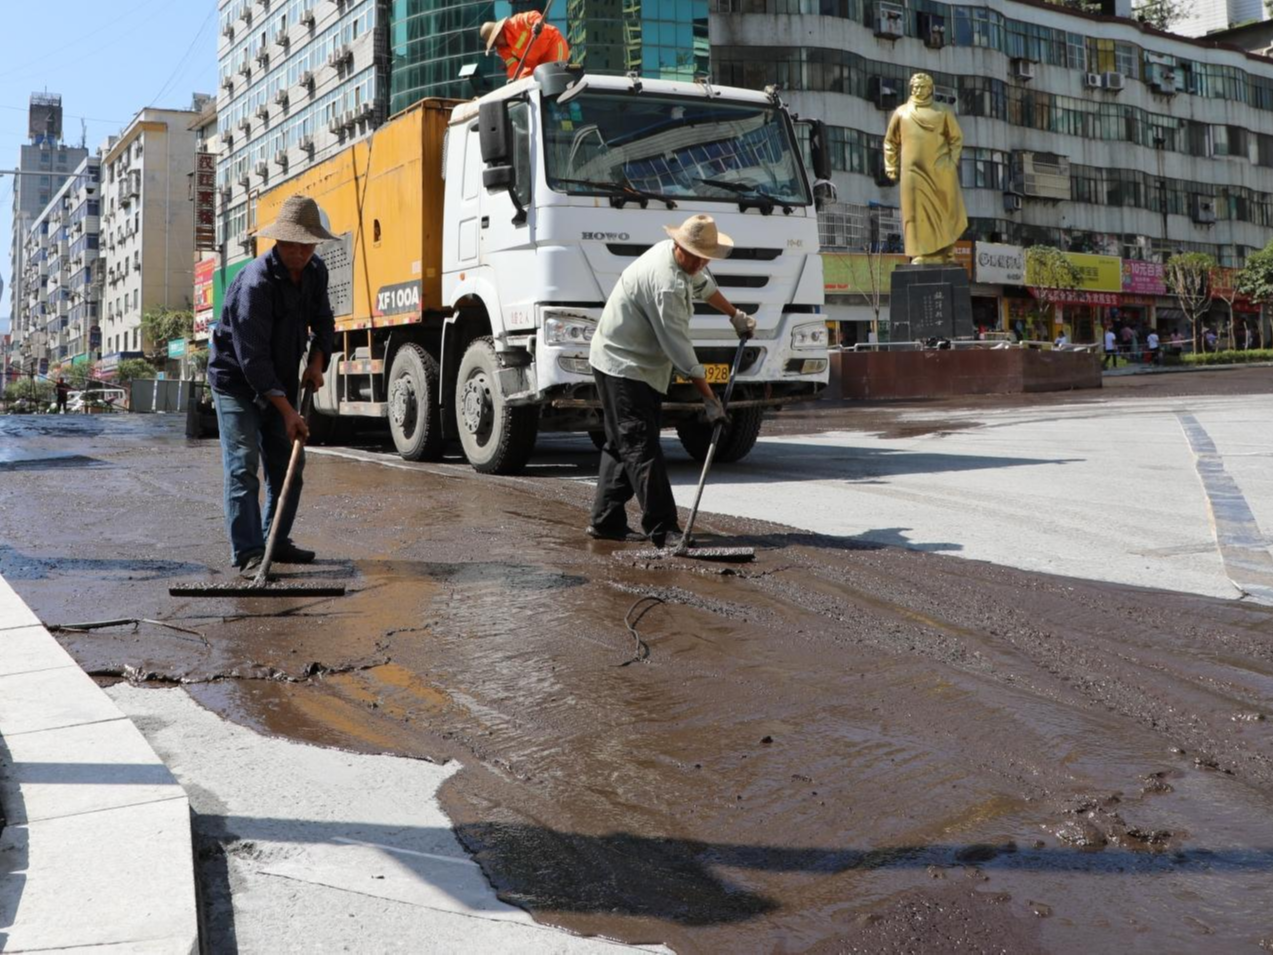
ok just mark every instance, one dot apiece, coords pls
pixel 714 411
pixel 743 324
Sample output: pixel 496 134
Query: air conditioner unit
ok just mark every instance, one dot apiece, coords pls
pixel 948 96
pixel 932 30
pixel 227 31
pixel 263 56
pixel 263 111
pixel 1022 69
pixel 281 97
pixel 340 55
pixel 228 139
pixel 1092 81
pixel 306 79
pixel 262 168
pixel 227 83
pixel 1164 82
pixel 307 16
pixel 280 158
pixel 306 143
pixel 226 195
pixel 349 119
pixel 890 20
pixel 245 124
pixel 1011 202
pixel 366 110
pixel 335 124
pixel 246 14
pixel 1113 82
pixel 244 239
pixel 281 38
pixel 1041 175
pixel 245 68
pixel 1202 209
pixel 245 180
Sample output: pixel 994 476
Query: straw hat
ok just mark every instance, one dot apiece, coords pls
pixel 490 31
pixel 299 220
pixel 698 236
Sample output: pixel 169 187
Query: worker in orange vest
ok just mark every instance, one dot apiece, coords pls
pixel 512 35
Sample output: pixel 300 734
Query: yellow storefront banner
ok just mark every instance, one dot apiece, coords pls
pixel 1097 273
pixel 858 273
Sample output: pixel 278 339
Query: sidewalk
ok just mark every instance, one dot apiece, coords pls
pixel 96 849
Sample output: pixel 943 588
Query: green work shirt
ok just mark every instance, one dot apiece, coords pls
pixel 645 328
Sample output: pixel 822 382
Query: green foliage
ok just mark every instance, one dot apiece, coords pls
pixel 40 391
pixel 162 325
pixel 1048 271
pixel 77 376
pixel 1256 279
pixel 131 369
pixel 1228 357
pixel 1188 278
pixel 1162 14
pixel 198 358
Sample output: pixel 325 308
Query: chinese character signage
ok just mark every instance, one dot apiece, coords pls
pixel 1143 278
pixel 1000 264
pixel 205 202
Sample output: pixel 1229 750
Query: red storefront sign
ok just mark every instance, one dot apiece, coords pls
pixel 1079 297
pixel 1144 278
pixel 205 202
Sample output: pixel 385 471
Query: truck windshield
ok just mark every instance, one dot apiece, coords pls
pixel 673 147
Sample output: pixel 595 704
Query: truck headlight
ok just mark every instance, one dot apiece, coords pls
pixel 568 331
pixel 812 335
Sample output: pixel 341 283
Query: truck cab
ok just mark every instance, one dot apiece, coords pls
pixel 554 185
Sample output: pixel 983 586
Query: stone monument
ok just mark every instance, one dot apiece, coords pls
pixel 929 298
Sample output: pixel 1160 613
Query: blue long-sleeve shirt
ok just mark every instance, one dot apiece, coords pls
pixel 267 322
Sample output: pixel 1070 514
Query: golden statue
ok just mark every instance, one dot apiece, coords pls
pixel 921 148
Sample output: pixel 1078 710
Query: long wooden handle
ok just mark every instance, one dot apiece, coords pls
pixel 298 447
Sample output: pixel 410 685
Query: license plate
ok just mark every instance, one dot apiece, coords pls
pixel 715 375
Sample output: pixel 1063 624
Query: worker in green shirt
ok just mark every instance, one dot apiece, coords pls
pixel 644 334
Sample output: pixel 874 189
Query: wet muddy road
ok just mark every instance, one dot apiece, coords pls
pixel 837 748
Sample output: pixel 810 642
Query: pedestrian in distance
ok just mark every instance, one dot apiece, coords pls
pixel 275 309
pixel 63 392
pixel 1151 343
pixel 644 333
pixel 1061 340
pixel 1210 339
pixel 1111 348
pixel 513 36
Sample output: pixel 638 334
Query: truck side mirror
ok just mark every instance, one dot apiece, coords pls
pixel 819 150
pixel 495 134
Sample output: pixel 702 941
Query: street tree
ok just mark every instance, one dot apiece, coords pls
pixel 1223 284
pixel 1188 277
pixel 1163 14
pixel 162 325
pixel 1256 280
pixel 1049 273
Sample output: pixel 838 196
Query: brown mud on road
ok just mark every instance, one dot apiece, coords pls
pixel 840 747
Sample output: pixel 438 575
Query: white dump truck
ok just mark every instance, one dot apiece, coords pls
pixel 478 243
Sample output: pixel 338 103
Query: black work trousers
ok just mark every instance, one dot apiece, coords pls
pixel 632 460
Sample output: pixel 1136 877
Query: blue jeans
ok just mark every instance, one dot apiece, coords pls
pixel 250 434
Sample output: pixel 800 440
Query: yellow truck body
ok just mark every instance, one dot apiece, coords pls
pixel 383 197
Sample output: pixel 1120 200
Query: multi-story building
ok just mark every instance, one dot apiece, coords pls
pixel 300 79
pixel 44 164
pixel 147 224
pixel 1094 134
pixel 1209 16
pixel 207 252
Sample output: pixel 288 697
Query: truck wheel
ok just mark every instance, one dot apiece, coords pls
pixel 497 438
pixel 735 443
pixel 415 420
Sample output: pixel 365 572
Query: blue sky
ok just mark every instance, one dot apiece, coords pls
pixel 107 60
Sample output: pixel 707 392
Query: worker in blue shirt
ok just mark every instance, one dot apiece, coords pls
pixel 275 309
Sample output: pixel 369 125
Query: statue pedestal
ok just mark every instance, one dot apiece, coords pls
pixel 929 301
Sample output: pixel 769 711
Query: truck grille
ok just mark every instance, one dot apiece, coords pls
pixel 633 249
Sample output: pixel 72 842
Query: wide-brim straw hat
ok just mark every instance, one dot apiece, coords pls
pixel 698 236
pixel 490 31
pixel 299 220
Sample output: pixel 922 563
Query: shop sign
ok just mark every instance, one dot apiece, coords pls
pixel 1143 278
pixel 205 202
pixel 1079 297
pixel 858 273
pixel 1000 264
pixel 177 348
pixel 1096 273
pixel 963 256
pixel 203 272
pixel 1223 282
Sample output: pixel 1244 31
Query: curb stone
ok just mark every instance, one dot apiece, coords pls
pixel 96 848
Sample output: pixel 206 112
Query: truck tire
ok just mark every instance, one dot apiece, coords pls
pixel 496 438
pixel 415 418
pixel 736 442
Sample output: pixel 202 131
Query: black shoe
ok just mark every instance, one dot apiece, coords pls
pixel 286 552
pixel 251 567
pixel 626 535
